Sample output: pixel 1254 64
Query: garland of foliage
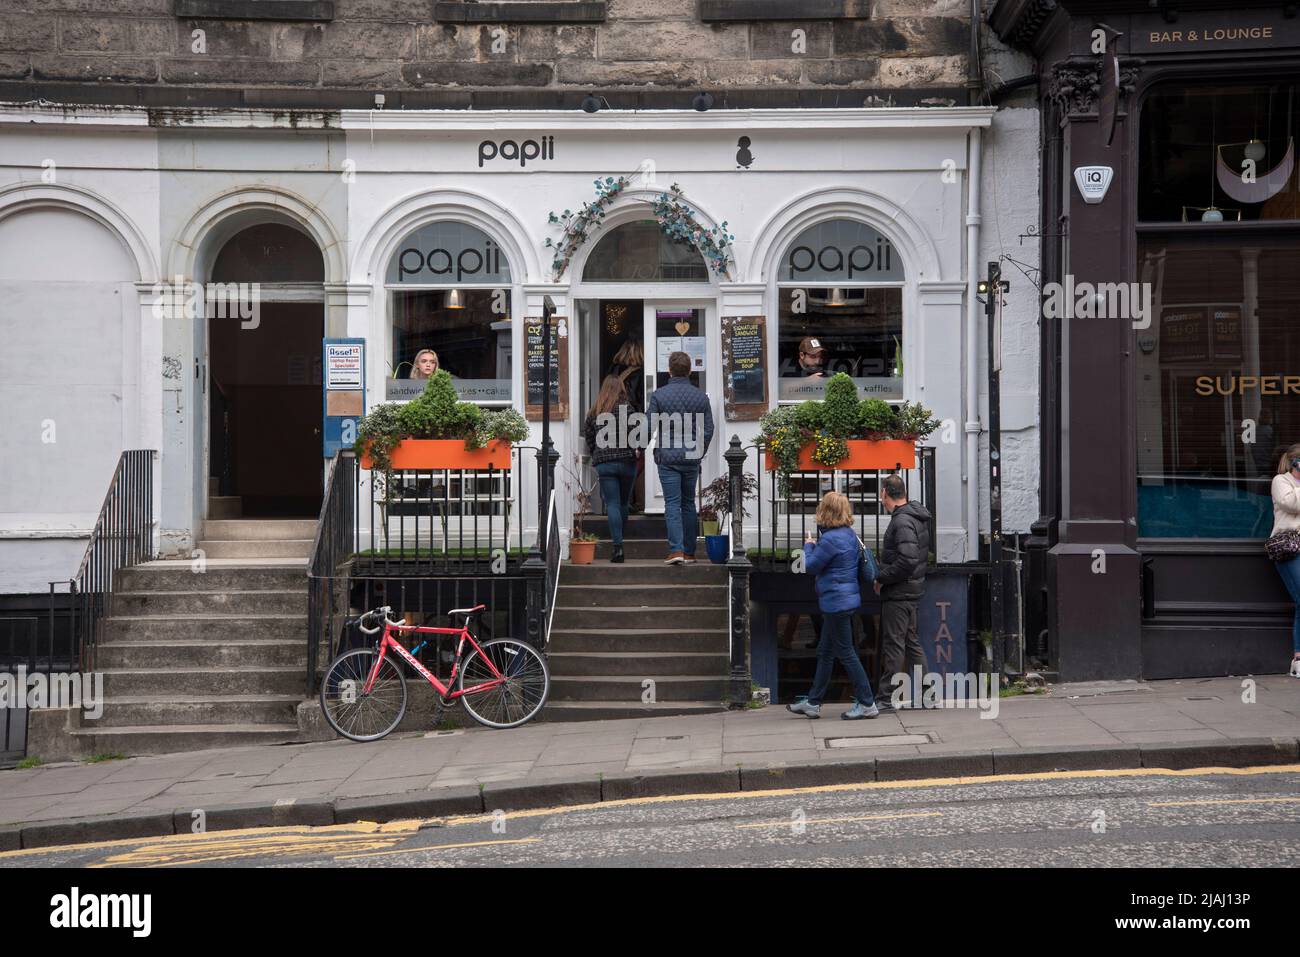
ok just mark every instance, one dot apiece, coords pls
pixel 829 424
pixel 435 413
pixel 675 218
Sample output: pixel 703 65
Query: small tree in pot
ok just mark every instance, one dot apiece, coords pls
pixel 582 544
pixel 715 501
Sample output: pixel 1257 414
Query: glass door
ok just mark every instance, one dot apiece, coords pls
pixel 671 327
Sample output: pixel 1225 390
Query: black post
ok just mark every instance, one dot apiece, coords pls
pixel 997 581
pixel 534 566
pixel 738 569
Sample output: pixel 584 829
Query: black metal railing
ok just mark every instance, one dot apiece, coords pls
pixel 422 541
pixel 330 552
pixel 552 543
pixel 122 536
pixel 19 656
pixel 783 512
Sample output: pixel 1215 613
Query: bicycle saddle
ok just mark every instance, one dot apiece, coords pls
pixel 467 611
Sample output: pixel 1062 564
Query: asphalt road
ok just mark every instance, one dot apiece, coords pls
pixel 1248 818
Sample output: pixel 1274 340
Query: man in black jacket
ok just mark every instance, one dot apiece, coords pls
pixel 900 582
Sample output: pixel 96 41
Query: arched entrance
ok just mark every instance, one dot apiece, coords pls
pixel 264 396
pixel 643 296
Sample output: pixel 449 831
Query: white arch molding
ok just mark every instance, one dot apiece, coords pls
pixel 370 261
pixel 635 203
pixel 195 248
pixel 921 260
pixel 26 196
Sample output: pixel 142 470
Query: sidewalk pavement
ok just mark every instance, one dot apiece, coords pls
pixel 1166 724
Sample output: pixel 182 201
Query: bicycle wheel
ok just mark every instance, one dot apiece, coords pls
pixel 519 697
pixel 349 710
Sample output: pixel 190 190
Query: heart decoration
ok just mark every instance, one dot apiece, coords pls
pixel 682 327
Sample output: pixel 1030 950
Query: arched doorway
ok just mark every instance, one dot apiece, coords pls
pixel 641 297
pixel 264 394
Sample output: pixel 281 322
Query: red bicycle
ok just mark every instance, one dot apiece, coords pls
pixel 501 683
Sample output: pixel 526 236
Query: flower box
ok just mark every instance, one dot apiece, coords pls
pixel 864 455
pixel 432 454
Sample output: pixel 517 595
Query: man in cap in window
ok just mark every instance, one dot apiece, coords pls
pixel 812 358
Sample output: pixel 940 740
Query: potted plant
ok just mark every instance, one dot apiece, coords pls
pixel 842 433
pixel 708 519
pixel 716 501
pixel 582 544
pixel 436 431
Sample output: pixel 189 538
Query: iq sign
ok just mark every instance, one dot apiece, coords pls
pixel 1093 182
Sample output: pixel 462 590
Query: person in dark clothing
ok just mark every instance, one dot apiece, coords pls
pixel 900 583
pixel 834 560
pixel 679 413
pixel 613 455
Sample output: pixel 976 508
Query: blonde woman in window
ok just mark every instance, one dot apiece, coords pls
pixel 1286 518
pixel 425 364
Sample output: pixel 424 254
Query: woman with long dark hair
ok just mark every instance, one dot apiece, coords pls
pixel 607 430
pixel 1286 523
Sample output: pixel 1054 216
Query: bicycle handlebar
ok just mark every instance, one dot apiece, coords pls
pixel 381 614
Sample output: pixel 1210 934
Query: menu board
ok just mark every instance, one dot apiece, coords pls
pixel 744 365
pixel 534 349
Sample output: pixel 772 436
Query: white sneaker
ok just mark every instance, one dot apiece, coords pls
pixel 1295 667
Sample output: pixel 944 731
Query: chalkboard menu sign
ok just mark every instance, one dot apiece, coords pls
pixel 744 363
pixel 535 349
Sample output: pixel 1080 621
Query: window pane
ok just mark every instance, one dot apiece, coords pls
pixel 1201 147
pixel 856 331
pixel 640 252
pixel 1218 374
pixel 472 343
pixel 448 252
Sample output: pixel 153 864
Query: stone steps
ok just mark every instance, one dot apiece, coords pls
pixel 630 595
pixel 190 710
pixel 214 628
pixel 614 710
pixel 168 739
pixel 256 548
pixel 189 653
pixel 246 680
pixel 574 664
pixel 209 602
pixel 637 571
pixel 619 619
pixel 634 640
pixel 630 688
pixel 181 576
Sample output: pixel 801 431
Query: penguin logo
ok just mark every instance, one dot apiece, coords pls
pixel 744 158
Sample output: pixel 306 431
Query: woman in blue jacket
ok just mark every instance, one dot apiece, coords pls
pixel 834 560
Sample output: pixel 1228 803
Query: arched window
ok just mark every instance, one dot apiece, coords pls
pixel 450 286
pixel 840 290
pixel 640 252
pixel 269 252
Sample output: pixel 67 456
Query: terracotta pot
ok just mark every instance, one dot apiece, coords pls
pixel 432 454
pixel 582 553
pixel 864 455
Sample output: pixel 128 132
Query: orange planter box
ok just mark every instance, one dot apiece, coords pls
pixel 433 454
pixel 864 455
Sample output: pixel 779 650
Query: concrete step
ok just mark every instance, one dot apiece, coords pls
pixel 181 576
pixel 225 507
pixel 613 710
pixel 633 640
pixel 671 616
pixel 135 603
pixel 169 739
pixel 640 596
pixel 644 548
pixel 256 548
pixel 630 689
pixel 259 529
pixel 635 526
pixel 642 571
pixel 186 654
pixel 169 682
pixel 570 664
pixel 212 628
pixel 163 710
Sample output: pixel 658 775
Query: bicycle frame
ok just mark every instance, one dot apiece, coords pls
pixel 389 642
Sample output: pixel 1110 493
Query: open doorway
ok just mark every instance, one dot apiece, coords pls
pixel 264 375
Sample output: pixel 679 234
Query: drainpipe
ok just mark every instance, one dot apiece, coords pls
pixel 971 476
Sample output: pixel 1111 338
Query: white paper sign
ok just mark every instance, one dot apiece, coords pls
pixel 343 366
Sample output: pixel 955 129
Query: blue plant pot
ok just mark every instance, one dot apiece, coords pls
pixel 719 548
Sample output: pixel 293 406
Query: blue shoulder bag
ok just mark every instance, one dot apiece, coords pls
pixel 866 566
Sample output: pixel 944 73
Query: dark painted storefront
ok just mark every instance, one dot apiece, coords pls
pixel 1163 427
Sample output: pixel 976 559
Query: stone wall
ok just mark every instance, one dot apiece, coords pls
pixel 908 46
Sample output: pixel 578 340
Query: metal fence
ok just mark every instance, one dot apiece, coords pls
pixel 784 512
pixel 423 542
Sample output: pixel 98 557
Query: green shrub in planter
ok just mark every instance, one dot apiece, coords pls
pixel 840 408
pixel 875 416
